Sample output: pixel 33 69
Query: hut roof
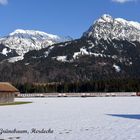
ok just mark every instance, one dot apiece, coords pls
pixel 7 87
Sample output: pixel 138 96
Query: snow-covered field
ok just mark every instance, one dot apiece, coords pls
pixel 97 118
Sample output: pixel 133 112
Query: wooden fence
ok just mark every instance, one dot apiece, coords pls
pixel 97 94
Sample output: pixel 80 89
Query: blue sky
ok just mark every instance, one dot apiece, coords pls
pixel 62 17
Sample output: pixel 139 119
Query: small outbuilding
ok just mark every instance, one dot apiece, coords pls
pixel 7 92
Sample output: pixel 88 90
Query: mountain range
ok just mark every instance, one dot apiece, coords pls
pixel 110 48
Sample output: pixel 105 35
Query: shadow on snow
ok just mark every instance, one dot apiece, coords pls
pixel 128 116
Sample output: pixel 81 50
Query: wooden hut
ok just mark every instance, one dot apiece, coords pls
pixel 7 92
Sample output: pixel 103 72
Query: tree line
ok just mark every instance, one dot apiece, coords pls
pixel 113 85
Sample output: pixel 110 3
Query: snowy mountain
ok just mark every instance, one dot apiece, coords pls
pixel 108 37
pixel 109 49
pixel 23 41
pixel 109 28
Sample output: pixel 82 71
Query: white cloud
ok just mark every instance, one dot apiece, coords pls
pixel 3 2
pixel 123 1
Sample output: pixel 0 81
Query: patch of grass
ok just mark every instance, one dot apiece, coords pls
pixel 15 103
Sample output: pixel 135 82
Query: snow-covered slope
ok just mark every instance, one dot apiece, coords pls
pixel 109 28
pixel 23 41
pixel 113 118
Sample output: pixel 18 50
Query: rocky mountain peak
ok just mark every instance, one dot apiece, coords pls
pixel 24 41
pixel 105 18
pixel 109 28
